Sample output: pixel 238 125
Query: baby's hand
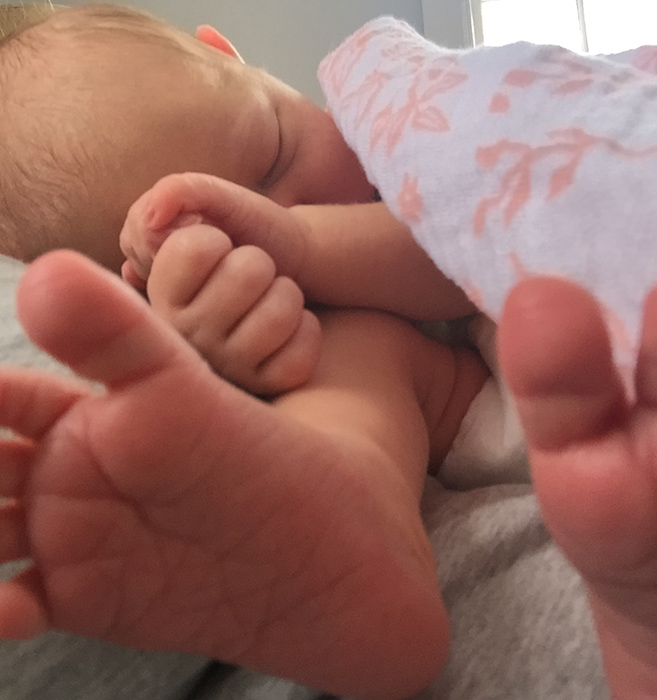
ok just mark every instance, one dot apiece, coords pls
pixel 179 200
pixel 249 323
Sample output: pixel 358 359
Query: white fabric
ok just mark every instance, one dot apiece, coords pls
pixel 490 446
pixel 510 161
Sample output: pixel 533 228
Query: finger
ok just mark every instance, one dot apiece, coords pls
pixel 89 319
pixel 15 458
pixel 555 354
pixel 246 216
pixel 230 292
pixel 30 403
pixel 646 367
pixel 14 544
pixel 135 241
pixel 184 263
pixel 23 613
pixel 269 325
pixel 131 276
pixel 293 365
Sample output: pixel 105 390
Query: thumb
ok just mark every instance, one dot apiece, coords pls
pixel 87 318
pixel 247 217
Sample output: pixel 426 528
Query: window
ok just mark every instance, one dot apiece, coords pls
pixel 597 26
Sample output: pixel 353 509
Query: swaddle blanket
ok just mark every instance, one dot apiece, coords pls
pixel 510 161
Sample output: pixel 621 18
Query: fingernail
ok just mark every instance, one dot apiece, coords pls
pixel 187 219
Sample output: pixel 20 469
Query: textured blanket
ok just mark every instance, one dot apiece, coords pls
pixel 510 161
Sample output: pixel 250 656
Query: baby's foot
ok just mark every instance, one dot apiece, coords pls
pixel 594 461
pixel 175 512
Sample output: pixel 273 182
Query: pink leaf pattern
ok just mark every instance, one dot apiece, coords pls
pixel 518 266
pixel 499 104
pixel 562 178
pixel 336 70
pixel 380 126
pixel 516 133
pixel 419 112
pixel 645 59
pixel 443 80
pixel 564 74
pixel 409 200
pixel 430 119
pixel 567 146
pixel 570 86
pixel 406 52
pixel 366 95
pixel 480 217
pixel 488 156
pixel 521 78
pixel 396 126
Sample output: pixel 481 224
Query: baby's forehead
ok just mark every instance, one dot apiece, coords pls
pixel 88 29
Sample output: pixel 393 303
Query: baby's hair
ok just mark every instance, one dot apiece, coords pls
pixel 16 18
pixel 47 149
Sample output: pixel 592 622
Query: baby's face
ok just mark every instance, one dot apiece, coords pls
pixel 282 145
pixel 128 106
pixel 165 111
pixel 217 115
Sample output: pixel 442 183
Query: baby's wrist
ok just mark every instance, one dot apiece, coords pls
pixel 308 250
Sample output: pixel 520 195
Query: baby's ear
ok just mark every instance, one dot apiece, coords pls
pixel 210 36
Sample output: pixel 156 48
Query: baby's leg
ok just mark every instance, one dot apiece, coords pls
pixel 176 512
pixel 594 462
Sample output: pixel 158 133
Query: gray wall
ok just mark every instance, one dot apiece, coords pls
pixel 287 37
pixel 451 22
pixel 290 37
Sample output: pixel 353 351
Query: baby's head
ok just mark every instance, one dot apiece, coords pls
pixel 98 102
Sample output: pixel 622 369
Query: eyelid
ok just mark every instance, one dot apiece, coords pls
pixel 270 176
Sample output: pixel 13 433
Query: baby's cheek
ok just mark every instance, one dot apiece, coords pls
pixel 341 181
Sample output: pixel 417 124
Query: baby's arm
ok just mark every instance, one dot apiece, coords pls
pixel 361 255
pixel 375 379
pixel 353 255
pixel 375 376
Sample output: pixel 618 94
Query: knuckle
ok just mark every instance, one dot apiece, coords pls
pixel 205 339
pixel 290 289
pixel 286 301
pixel 252 265
pixel 199 239
pixel 295 364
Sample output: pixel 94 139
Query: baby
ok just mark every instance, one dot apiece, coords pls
pixel 283 537
pixel 383 402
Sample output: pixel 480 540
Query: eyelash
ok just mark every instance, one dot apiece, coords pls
pixel 266 180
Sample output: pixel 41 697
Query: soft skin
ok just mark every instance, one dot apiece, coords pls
pixel 128 509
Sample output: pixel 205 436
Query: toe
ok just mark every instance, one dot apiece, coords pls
pixel 556 357
pixel 22 612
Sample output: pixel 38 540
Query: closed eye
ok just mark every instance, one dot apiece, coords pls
pixel 270 176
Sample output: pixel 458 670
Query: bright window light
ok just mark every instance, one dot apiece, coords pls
pixel 617 25
pixel 599 26
pixel 539 21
